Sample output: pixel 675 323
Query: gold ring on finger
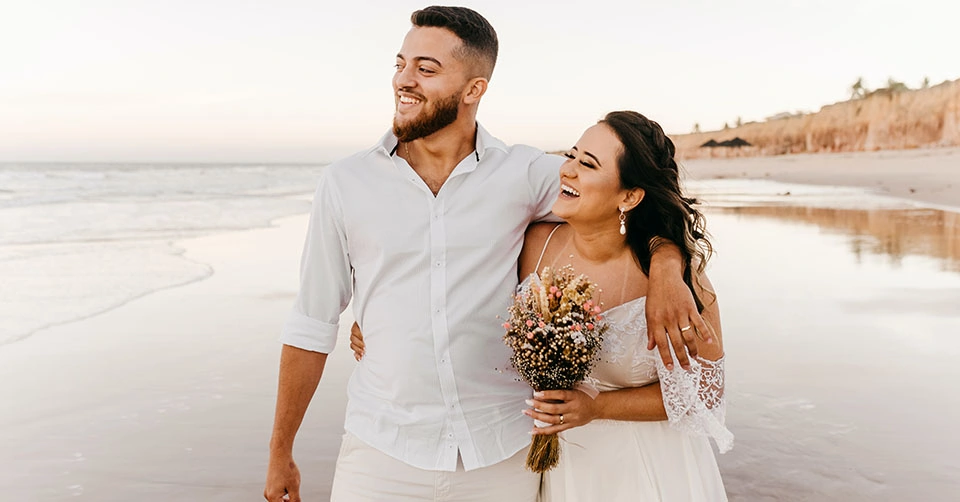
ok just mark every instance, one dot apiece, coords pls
pixel 561 419
pixel 686 328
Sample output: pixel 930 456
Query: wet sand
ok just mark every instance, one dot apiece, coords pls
pixel 841 354
pixel 169 397
pixel 927 175
pixel 840 329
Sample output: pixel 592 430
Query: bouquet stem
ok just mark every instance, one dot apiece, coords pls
pixel 544 453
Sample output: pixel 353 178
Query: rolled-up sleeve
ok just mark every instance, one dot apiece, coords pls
pixel 325 275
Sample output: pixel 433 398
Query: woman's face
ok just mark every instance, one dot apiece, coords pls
pixel 590 189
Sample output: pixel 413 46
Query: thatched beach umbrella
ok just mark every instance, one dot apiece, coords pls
pixel 735 142
pixel 710 144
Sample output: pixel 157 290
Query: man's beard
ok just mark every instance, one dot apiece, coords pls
pixel 444 113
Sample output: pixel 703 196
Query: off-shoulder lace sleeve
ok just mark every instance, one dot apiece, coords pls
pixel 694 399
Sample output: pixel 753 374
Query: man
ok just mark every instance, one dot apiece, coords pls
pixel 423 231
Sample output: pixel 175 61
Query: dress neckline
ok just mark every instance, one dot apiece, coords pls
pixel 624 304
pixel 604 311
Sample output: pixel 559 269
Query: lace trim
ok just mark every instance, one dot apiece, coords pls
pixel 694 399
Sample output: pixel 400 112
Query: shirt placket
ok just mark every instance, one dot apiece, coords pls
pixel 455 427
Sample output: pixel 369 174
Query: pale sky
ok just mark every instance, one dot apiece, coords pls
pixel 284 80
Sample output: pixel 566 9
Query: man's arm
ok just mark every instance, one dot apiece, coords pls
pixel 671 308
pixel 309 334
pixel 544 181
pixel 300 372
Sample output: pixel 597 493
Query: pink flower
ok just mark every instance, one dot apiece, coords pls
pixel 506 325
pixel 577 327
pixel 589 325
pixel 529 335
pixel 529 323
pixel 559 294
pixel 596 310
pixel 542 324
pixel 553 289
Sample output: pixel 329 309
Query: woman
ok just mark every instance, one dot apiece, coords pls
pixel 645 435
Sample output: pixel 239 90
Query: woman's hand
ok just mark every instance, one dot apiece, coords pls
pixel 565 409
pixel 356 341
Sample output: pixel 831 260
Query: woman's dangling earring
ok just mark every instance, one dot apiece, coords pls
pixel 623 222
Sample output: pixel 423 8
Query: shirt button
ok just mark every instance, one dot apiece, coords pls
pixel 438 311
pixel 439 263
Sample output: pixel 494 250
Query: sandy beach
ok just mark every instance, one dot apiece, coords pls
pixel 927 175
pixel 158 168
pixel 840 364
pixel 168 397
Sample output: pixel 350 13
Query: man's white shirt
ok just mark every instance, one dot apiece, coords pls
pixel 428 276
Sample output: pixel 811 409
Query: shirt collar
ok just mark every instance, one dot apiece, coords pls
pixel 485 140
pixel 388 143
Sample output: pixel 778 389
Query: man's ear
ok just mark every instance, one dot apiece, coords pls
pixel 632 198
pixel 474 90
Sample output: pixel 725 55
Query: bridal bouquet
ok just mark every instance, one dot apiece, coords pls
pixel 555 330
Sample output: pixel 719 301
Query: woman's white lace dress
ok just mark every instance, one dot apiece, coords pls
pixel 672 460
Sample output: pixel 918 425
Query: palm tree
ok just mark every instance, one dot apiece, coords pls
pixel 857 90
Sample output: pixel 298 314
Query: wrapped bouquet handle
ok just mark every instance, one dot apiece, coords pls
pixel 544 452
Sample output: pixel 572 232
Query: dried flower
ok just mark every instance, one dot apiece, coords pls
pixel 555 332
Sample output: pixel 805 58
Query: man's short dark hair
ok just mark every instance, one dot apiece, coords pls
pixel 479 39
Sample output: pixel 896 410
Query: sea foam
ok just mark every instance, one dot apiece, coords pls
pixel 79 239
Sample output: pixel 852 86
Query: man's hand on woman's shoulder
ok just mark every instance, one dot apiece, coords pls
pixel 672 316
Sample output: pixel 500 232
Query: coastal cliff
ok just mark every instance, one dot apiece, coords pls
pixel 884 120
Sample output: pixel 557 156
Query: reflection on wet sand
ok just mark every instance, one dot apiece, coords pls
pixel 892 232
pixel 840 329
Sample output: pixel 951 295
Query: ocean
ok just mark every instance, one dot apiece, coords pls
pixel 79 239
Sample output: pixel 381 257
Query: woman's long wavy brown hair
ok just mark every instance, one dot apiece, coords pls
pixel 664 215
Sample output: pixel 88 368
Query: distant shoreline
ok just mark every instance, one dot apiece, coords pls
pixel 930 176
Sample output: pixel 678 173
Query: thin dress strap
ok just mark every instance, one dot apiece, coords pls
pixel 544 250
